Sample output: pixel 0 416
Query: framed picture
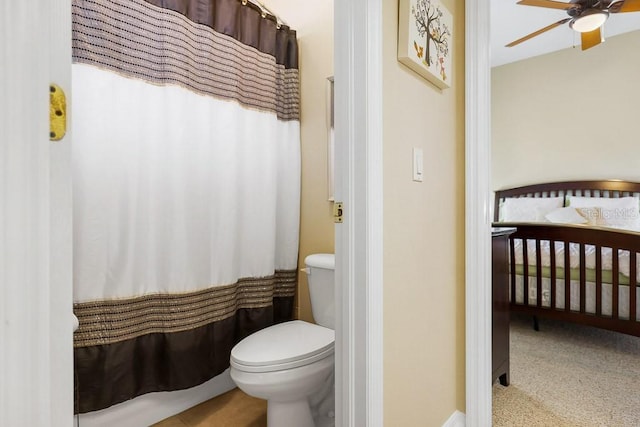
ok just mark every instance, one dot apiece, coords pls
pixel 425 29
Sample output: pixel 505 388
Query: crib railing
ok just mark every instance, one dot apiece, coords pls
pixel 575 307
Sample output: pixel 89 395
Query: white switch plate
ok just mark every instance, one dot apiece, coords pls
pixel 418 170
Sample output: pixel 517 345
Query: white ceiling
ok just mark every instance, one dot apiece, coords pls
pixel 510 21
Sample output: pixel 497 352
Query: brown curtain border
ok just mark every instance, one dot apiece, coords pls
pixel 244 23
pixel 136 39
pixel 105 322
pixel 106 375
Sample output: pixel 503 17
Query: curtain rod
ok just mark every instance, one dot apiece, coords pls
pixel 265 10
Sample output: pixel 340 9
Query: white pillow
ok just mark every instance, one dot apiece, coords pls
pixel 604 202
pixel 566 215
pixel 620 212
pixel 626 219
pixel 528 209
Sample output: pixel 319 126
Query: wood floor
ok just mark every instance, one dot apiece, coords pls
pixel 232 409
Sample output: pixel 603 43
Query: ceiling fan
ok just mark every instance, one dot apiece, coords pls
pixel 585 17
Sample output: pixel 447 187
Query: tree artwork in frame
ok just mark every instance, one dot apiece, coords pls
pixel 425 30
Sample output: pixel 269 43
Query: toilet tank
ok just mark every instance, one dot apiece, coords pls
pixel 320 275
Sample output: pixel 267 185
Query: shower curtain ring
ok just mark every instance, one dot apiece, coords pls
pixel 244 2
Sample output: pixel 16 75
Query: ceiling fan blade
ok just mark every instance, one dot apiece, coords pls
pixel 591 39
pixel 548 3
pixel 540 31
pixel 630 6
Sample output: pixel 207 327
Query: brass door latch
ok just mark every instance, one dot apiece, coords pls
pixel 337 212
pixel 57 113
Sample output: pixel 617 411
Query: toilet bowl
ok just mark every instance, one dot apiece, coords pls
pixel 291 364
pixel 286 372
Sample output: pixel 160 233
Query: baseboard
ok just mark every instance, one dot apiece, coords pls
pixel 153 407
pixel 457 419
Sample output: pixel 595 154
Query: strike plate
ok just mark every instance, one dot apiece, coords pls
pixel 337 212
pixel 57 113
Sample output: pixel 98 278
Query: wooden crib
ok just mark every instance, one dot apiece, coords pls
pixel 600 286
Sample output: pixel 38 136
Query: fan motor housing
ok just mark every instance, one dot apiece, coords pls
pixel 575 11
pixel 579 6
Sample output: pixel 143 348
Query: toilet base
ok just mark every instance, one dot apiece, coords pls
pixel 302 396
pixel 296 413
pixel 322 404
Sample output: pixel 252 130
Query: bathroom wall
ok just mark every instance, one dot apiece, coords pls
pixel 424 378
pixel 313 22
pixel 567 115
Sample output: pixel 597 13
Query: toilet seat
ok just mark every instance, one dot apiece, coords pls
pixel 284 346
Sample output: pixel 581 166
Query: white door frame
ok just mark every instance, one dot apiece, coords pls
pixel 36 362
pixel 477 214
pixel 359 285
pixel 359 331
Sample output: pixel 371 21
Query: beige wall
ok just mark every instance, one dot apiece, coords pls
pixel 423 222
pixel 313 22
pixel 568 115
pixel 423 237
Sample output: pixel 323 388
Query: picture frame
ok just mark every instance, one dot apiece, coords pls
pixel 425 40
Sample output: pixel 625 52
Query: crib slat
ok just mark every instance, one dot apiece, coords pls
pixel 598 280
pixel 614 281
pixel 512 256
pixel 633 282
pixel 525 270
pixel 567 277
pixel 552 254
pixel 538 274
pixel 583 279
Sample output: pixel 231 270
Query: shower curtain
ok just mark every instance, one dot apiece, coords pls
pixel 186 179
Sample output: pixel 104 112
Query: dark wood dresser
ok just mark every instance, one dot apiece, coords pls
pixel 500 304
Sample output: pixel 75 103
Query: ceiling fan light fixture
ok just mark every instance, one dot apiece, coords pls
pixel 589 20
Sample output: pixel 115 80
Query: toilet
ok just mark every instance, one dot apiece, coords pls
pixel 291 364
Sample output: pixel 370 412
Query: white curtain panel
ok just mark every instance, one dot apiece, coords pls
pixel 176 191
pixel 186 180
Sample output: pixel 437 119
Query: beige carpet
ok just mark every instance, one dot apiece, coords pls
pixel 569 375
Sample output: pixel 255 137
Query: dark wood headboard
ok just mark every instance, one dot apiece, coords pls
pixel 604 188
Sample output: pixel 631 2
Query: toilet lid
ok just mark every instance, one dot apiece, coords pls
pixel 283 346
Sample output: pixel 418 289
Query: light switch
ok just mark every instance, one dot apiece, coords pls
pixel 417 164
